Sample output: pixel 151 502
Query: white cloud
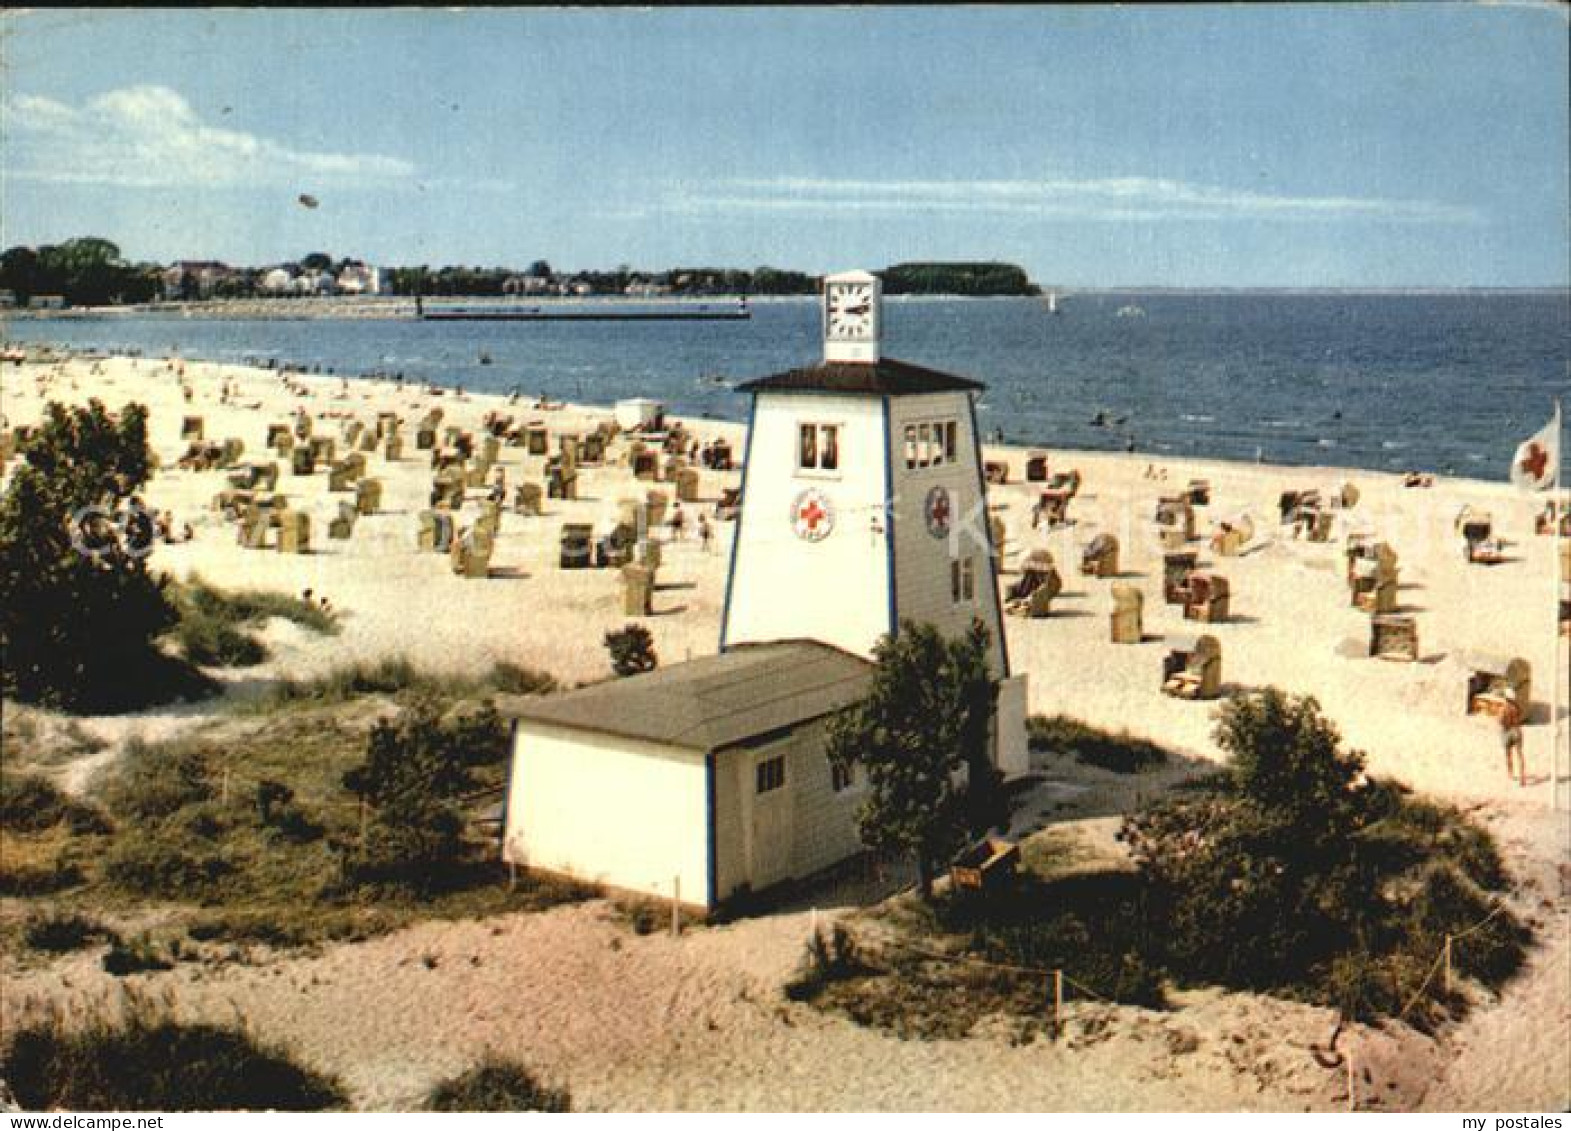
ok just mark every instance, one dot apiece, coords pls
pixel 1106 198
pixel 151 137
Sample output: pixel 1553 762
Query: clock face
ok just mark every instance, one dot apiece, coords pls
pixel 848 311
pixel 812 515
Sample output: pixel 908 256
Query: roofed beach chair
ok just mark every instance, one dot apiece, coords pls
pixel 528 499
pixel 577 550
pixel 1210 598
pixel 1177 565
pixel 1127 619
pixel 1232 536
pixel 1100 557
pixel 1032 593
pixel 1192 668
pixel 294 532
pixel 1393 637
pixel 638 590
pixel 1499 686
pixel 342 525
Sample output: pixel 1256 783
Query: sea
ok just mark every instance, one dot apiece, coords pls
pixel 1446 383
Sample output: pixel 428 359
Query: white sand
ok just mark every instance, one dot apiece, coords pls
pixel 652 1023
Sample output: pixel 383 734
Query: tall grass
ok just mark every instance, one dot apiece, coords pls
pixel 1121 752
pixel 214 623
pixel 140 1057
pixel 399 676
pixel 496 1084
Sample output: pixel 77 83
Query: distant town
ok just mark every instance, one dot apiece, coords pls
pixel 91 272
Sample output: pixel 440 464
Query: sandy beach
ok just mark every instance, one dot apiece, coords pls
pixel 634 1022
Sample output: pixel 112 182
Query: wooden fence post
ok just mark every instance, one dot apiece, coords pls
pixel 1352 1084
pixel 1058 1003
pixel 676 906
pixel 1448 964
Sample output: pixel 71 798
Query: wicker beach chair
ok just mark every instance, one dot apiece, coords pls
pixel 1100 557
pixel 1192 668
pixel 1127 619
pixel 1499 686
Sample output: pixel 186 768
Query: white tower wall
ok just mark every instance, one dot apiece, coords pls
pixel 925 576
pixel 782 586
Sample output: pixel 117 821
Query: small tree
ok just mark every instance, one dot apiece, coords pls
pixel 79 609
pixel 1272 861
pixel 632 650
pixel 925 718
pixel 415 768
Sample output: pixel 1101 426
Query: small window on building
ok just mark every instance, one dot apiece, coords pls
pixel 807 456
pixel 771 774
pixel 924 445
pixel 962 580
pixel 841 777
pixel 950 430
pixel 818 447
pixel 910 446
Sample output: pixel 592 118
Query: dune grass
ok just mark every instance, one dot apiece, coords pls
pixel 140 1057
pixel 216 626
pixel 496 1084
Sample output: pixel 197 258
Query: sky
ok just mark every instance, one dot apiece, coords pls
pixel 1379 146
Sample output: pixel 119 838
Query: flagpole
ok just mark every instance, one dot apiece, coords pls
pixel 1558 511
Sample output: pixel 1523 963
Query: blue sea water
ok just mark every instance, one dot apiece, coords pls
pixel 1445 383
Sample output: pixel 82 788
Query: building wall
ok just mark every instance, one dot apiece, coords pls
pixel 607 810
pixel 788 833
pixel 923 562
pixel 782 587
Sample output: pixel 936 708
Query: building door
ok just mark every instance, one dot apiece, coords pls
pixel 769 840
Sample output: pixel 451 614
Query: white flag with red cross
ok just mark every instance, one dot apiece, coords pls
pixel 1538 457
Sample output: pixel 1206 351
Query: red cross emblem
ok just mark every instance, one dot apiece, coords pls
pixel 938 512
pixel 1536 461
pixel 812 516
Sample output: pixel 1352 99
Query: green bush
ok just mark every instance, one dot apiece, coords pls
pixel 516 679
pixel 79 609
pixel 1121 753
pixel 632 650
pixel 213 643
pixel 1296 873
pixel 253 606
pixel 496 1084
pixel 133 956
pixel 163 862
pixel 29 803
pixel 151 781
pixel 213 622
pixel 59 931
pixel 144 1060
pixel 829 958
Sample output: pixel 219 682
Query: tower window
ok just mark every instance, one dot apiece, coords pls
pixel 962 580
pixel 771 774
pixel 818 447
pixel 931 443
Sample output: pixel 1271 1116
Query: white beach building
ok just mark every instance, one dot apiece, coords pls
pixel 863 505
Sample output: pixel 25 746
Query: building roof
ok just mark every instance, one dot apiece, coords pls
pixel 885 377
pixel 716 701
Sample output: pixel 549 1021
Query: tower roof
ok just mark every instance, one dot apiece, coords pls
pixel 885 377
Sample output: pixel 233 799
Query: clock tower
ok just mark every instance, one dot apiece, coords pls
pixel 853 316
pixel 864 505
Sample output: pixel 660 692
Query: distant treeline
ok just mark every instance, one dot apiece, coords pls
pixel 84 272
pixel 91 272
pixel 958 279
